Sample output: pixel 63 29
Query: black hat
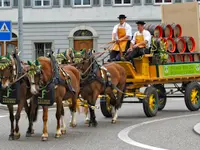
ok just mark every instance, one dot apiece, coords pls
pixel 140 22
pixel 122 16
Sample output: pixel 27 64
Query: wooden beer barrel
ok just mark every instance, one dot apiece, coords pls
pixel 190 43
pixel 180 44
pixel 196 57
pixel 155 30
pixel 179 58
pixel 177 30
pixel 171 45
pixel 157 41
pixel 170 59
pixel 167 30
pixel 188 58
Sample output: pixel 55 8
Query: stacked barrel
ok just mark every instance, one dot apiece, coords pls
pixel 180 47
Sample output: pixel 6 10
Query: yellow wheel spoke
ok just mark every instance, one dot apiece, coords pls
pixel 194 96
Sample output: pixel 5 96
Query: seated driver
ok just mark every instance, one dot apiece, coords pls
pixel 140 43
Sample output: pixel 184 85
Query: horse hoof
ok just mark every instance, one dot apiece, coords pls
pixel 87 121
pixel 28 134
pixel 32 131
pixel 57 135
pixel 93 123
pixel 44 138
pixel 73 125
pixel 11 137
pixel 16 136
pixel 113 121
pixel 63 131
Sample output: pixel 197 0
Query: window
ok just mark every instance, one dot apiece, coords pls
pixel 163 1
pixel 83 33
pixel 137 2
pixel 56 2
pixel 107 2
pixel 177 1
pixel 15 3
pixel 122 2
pixel 82 2
pixel 42 49
pixel 42 3
pixel 5 3
pixel 147 2
pixel 67 2
pixel 27 3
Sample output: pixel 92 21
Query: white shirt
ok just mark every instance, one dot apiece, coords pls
pixel 124 25
pixel 147 37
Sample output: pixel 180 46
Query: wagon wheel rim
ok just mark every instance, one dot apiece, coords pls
pixel 152 102
pixel 195 96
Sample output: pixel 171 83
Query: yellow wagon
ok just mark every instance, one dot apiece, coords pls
pixel 154 76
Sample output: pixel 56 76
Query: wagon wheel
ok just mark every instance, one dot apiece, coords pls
pixel 150 102
pixel 192 96
pixel 162 98
pixel 106 108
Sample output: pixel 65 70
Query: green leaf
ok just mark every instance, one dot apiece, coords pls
pixel 8 56
pixel 29 63
pixel 37 63
pixel 74 51
pixel 83 51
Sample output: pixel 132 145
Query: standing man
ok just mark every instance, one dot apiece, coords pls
pixel 140 43
pixel 122 32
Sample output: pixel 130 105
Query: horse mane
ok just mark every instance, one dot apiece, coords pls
pixel 46 67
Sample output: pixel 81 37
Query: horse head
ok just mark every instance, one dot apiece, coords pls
pixel 34 75
pixel 7 70
pixel 83 59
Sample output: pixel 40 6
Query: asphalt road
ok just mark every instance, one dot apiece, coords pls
pixel 173 134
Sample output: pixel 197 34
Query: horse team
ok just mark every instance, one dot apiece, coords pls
pixel 81 77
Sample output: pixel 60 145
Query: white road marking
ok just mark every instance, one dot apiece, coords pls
pixel 123 134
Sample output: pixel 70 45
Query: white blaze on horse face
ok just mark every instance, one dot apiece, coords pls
pixel 33 85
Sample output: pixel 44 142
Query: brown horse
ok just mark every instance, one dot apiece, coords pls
pixel 43 75
pixel 95 82
pixel 9 77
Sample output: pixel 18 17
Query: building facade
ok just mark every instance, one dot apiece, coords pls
pixel 61 24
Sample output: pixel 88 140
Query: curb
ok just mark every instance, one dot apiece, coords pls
pixel 4 107
pixel 196 128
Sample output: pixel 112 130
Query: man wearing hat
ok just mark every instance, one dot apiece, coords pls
pixel 140 43
pixel 121 34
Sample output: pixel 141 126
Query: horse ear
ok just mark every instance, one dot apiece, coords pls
pixel 37 63
pixel 29 63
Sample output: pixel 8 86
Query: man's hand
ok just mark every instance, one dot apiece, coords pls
pixel 117 41
pixel 129 50
pixel 135 46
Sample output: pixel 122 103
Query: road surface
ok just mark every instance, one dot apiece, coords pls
pixel 169 133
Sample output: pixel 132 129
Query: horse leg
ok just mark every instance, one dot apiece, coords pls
pixel 58 116
pixel 73 112
pixel 86 115
pixel 45 118
pixel 63 125
pixel 118 102
pixel 92 113
pixel 10 108
pixel 17 117
pixel 31 114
